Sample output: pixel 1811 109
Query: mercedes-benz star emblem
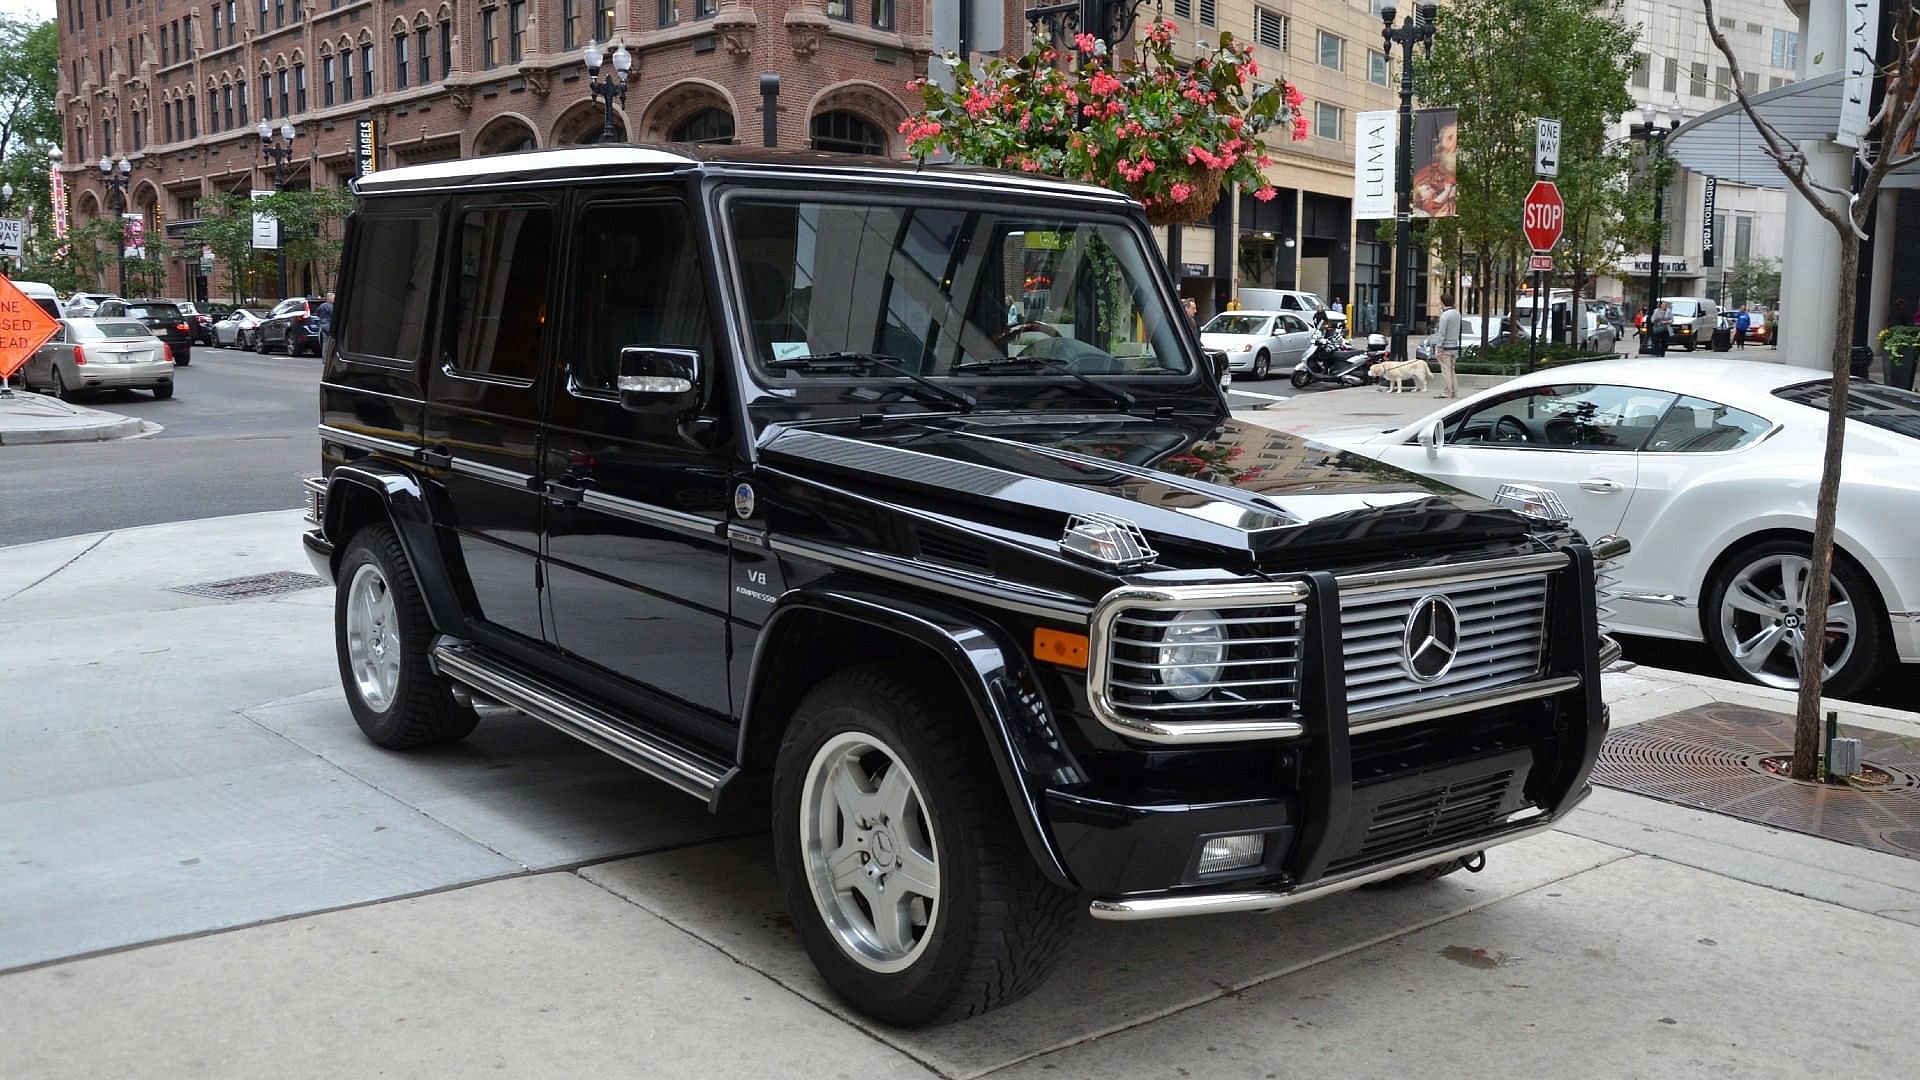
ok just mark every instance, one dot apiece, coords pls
pixel 1432 639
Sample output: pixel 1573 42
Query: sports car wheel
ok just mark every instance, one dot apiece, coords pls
pixel 1757 610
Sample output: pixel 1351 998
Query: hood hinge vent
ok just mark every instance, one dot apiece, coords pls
pixel 955 551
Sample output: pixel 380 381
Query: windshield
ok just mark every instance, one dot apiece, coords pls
pixel 1888 408
pixel 1249 325
pixel 935 289
pixel 109 329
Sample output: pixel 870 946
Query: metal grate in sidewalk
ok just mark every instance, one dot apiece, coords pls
pixel 1713 758
pixel 254 586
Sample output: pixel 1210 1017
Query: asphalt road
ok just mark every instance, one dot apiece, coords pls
pixel 239 436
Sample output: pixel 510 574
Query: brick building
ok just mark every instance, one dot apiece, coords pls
pixel 178 87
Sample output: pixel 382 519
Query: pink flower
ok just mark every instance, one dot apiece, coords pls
pixel 1265 193
pixel 1180 192
pixel 1084 42
pixel 1103 84
pixel 1263 161
pixel 1300 128
pixel 1253 66
pixel 1235 123
pixel 1294 97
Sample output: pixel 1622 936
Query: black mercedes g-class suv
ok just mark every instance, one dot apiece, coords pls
pixel 904 500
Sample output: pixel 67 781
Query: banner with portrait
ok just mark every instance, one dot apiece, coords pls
pixel 1436 155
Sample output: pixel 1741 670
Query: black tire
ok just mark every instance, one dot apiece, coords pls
pixel 163 391
pixel 1300 379
pixel 422 711
pixel 998 926
pixel 57 385
pixel 1262 363
pixel 1870 621
pixel 1423 875
pixel 183 359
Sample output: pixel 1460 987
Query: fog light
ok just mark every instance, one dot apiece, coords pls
pixel 1232 852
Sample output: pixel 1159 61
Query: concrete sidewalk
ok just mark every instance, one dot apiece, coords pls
pixel 27 419
pixel 210 873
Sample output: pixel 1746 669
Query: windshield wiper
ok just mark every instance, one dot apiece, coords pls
pixel 860 361
pixel 1051 364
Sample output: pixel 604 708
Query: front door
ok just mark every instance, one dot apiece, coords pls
pixel 483 423
pixel 636 564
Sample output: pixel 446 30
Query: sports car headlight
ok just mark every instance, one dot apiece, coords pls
pixel 1191 651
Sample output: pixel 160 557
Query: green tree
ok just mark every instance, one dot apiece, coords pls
pixel 310 230
pixel 29 85
pixel 1753 281
pixel 1488 62
pixel 226 226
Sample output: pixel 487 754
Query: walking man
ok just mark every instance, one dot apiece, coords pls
pixel 1445 342
pixel 324 314
pixel 1741 324
pixel 1661 323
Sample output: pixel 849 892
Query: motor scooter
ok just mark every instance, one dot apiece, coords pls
pixel 1327 362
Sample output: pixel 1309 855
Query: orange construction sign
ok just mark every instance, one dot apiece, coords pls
pixel 24 327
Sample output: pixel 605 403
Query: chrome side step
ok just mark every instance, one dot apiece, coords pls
pixel 471 666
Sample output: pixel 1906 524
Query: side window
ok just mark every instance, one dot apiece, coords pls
pixel 501 263
pixel 1695 425
pixel 639 283
pixel 1290 303
pixel 1291 324
pixel 1573 416
pixel 386 297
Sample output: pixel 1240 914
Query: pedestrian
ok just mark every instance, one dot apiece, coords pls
pixel 1193 312
pixel 1445 343
pixel 1640 322
pixel 324 316
pixel 1661 325
pixel 1773 332
pixel 1742 322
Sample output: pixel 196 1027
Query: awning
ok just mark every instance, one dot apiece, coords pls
pixel 1724 143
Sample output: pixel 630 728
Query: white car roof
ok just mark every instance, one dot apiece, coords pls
pixel 1254 312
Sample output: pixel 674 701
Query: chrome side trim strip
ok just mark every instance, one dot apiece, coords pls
pixel 657 759
pixel 1166 907
pixel 1667 599
pixel 747 534
pixel 952 582
pixel 1491 699
pixel 366 442
pixel 493 474
pixel 1904 616
pixel 1391 580
pixel 648 514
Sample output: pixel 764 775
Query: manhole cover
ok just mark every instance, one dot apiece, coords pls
pixel 1714 758
pixel 253 587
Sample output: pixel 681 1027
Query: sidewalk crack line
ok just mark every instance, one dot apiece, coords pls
pixel 104 537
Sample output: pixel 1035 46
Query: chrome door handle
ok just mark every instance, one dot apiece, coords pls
pixel 565 494
pixel 1600 485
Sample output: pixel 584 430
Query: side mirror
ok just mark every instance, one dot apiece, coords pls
pixel 1217 361
pixel 658 380
pixel 1430 438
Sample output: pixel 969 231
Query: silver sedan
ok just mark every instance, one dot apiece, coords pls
pixel 101 354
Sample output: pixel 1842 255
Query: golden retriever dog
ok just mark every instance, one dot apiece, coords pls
pixel 1390 376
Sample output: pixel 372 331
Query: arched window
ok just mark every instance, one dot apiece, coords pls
pixel 709 125
pixel 843 132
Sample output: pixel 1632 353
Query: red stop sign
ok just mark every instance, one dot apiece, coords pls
pixel 1544 216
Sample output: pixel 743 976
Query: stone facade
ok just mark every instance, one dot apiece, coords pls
pixel 178 87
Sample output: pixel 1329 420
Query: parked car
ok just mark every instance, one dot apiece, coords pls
pixel 1694 319
pixel 995 634
pixel 43 295
pixel 163 317
pixel 1710 468
pixel 100 354
pixel 1303 304
pixel 291 327
pixel 199 318
pixel 239 328
pixel 1258 342
pixel 81 305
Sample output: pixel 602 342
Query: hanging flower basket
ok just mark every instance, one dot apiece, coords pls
pixel 1173 136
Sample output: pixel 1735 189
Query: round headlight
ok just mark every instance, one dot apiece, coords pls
pixel 1191 649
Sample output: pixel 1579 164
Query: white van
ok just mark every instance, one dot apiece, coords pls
pixel 1694 318
pixel 1305 304
pixel 42 294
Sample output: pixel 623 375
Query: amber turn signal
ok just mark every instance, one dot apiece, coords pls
pixel 1060 647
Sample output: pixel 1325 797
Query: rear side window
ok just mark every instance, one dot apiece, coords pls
pixel 386 298
pixel 1697 426
pixel 1888 408
pixel 501 266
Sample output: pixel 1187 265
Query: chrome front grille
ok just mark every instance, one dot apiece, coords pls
pixel 316 490
pixel 1502 632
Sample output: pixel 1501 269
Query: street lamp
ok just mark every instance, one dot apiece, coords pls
pixel 610 89
pixel 1655 136
pixel 1415 29
pixel 114 177
pixel 279 152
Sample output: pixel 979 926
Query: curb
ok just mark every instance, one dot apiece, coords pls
pixel 118 427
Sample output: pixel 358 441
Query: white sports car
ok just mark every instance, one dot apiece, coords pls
pixel 1710 469
pixel 1258 342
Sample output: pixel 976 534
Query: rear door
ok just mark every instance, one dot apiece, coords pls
pixel 637 569
pixel 484 393
pixel 1293 335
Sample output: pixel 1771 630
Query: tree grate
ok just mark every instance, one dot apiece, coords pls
pixel 1713 758
pixel 254 586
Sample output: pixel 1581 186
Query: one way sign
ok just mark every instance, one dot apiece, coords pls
pixel 1546 147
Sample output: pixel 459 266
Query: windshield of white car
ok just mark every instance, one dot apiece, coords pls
pixel 942 289
pixel 107 329
pixel 1233 323
pixel 1888 408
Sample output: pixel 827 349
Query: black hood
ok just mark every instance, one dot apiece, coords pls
pixel 1195 487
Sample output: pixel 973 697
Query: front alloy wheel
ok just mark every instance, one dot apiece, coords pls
pixel 1759 611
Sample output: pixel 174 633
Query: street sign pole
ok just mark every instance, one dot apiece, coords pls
pixel 1533 334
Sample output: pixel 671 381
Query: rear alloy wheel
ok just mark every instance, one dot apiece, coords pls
pixel 1757 611
pixel 1261 364
pixel 58 386
pixel 905 875
pixel 382 637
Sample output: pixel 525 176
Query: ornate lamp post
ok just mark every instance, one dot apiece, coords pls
pixel 279 152
pixel 1655 136
pixel 612 88
pixel 1413 30
pixel 114 177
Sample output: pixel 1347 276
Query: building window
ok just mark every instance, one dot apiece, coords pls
pixel 844 133
pixel 226 100
pixel 516 30
pixel 1670 81
pixel 1333 51
pixel 346 74
pixel 839 9
pixel 883 14
pixel 266 97
pixel 569 24
pixel 366 70
pixel 1207 13
pixel 709 125
pixel 705 9
pixel 400 60
pixel 240 95
pixel 603 19
pixel 1183 9
pixel 1376 67
pixel 213 112
pixel 300 86
pixel 489 39
pixel 279 12
pixel 1270 28
pixel 1786 48
pixel 326 81
pixel 166 122
pixel 233 19
pixel 425 60
pixel 284 111
pixel 669 13
pixel 1697 86
pixel 446 47
pixel 1643 71
pixel 1327 120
